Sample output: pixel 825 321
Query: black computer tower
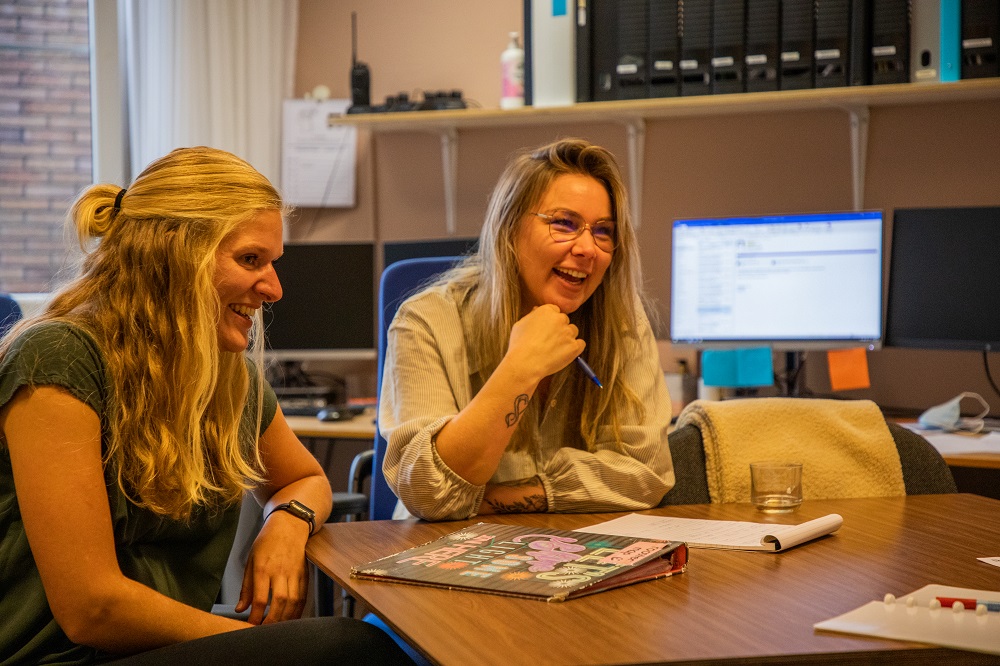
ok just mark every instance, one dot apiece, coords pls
pixel 890 41
pixel 797 45
pixel 763 45
pixel 664 52
pixel 631 71
pixel 980 38
pixel 728 46
pixel 695 30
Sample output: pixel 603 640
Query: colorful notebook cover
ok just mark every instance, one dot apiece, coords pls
pixel 532 562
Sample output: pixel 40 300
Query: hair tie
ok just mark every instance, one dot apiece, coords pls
pixel 118 200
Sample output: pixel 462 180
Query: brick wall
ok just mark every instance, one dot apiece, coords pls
pixel 44 134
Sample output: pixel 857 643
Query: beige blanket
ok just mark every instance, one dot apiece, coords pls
pixel 845 446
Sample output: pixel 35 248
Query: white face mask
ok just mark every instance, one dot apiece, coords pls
pixel 948 415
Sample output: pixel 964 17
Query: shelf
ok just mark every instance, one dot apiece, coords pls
pixel 633 114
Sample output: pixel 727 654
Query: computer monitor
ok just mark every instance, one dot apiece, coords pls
pixel 327 310
pixel 791 282
pixel 449 247
pixel 944 279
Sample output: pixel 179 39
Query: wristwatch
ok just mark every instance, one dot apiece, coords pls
pixel 299 510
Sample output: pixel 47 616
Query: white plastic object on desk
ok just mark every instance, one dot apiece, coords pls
pixel 512 75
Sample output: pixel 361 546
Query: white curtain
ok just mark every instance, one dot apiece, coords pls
pixel 211 73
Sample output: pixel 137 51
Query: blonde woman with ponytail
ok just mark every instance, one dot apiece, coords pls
pixel 484 403
pixel 134 417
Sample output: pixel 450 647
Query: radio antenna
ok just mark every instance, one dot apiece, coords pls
pixel 354 39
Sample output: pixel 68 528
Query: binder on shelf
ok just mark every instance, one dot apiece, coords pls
pixel 831 56
pixel 980 38
pixel 763 45
pixel 890 41
pixel 935 50
pixel 664 50
pixel 728 46
pixel 604 49
pixel 797 45
pixel 633 49
pixel 695 21
pixel 549 53
pixel 859 72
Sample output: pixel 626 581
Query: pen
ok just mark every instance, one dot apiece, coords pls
pixel 587 371
pixel 970 604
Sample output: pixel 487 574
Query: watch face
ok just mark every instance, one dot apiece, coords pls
pixel 301 509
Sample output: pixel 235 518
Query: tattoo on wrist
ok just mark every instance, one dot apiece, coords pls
pixel 528 504
pixel 520 403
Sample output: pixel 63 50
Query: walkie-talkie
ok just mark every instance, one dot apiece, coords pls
pixel 360 75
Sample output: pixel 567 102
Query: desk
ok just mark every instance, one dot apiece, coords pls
pixel 361 426
pixel 739 606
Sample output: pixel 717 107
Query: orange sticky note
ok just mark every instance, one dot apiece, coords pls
pixel 848 369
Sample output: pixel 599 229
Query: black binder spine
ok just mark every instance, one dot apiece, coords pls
pixel 695 30
pixel 832 53
pixel 604 54
pixel 728 46
pixel 980 38
pixel 763 45
pixel 663 49
pixel 890 41
pixel 797 44
pixel 633 49
pixel 859 71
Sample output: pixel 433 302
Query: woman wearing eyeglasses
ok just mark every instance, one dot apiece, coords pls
pixel 484 404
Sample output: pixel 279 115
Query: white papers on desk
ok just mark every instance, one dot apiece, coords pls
pixel 952 443
pixel 317 160
pixel 728 534
pixel 964 630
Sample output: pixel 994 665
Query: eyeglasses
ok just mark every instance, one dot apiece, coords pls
pixel 564 228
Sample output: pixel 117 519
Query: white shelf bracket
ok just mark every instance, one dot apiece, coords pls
pixel 449 164
pixel 859 152
pixel 636 135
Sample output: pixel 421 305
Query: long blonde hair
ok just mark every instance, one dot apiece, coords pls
pixel 145 293
pixel 608 321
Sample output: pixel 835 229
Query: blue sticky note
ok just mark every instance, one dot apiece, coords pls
pixel 751 366
pixel 559 7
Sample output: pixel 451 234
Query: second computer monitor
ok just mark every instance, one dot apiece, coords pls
pixel 792 282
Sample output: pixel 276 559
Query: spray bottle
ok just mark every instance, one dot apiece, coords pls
pixel 512 75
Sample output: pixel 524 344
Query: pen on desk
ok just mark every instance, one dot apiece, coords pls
pixel 970 604
pixel 587 371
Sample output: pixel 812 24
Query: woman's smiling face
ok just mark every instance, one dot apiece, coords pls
pixel 245 277
pixel 566 273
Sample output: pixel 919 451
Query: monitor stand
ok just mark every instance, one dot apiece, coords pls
pixel 795 377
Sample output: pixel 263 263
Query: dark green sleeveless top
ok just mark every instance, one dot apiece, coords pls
pixel 184 561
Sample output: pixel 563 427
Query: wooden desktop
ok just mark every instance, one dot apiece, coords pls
pixel 730 606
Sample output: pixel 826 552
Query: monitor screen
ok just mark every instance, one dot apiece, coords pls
pixel 451 247
pixel 944 279
pixel 791 282
pixel 327 308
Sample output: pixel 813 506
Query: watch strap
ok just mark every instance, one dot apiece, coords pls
pixel 299 510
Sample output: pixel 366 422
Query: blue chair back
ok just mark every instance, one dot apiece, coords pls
pixel 10 313
pixel 399 281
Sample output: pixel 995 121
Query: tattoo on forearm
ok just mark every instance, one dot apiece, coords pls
pixel 529 504
pixel 520 402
